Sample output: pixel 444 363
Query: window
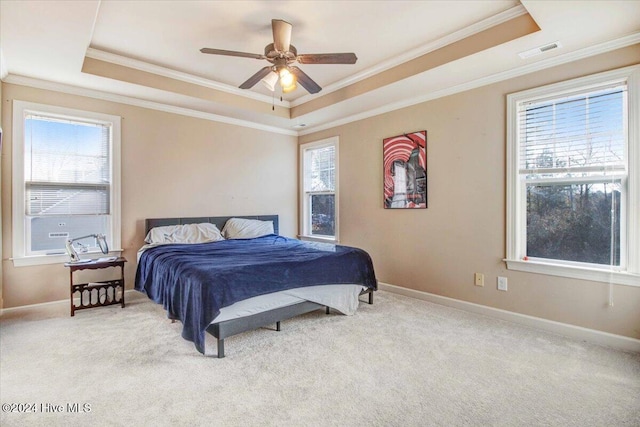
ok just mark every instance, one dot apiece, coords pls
pixel 319 183
pixel 574 178
pixel 66 174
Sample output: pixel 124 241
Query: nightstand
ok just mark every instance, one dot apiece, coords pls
pixel 97 294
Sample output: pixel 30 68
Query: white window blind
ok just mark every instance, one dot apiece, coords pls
pixel 66 167
pixel 321 169
pixel 575 135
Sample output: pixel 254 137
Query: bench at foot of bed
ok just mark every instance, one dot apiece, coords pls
pixel 231 327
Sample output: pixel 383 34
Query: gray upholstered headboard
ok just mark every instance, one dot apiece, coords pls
pixel 219 221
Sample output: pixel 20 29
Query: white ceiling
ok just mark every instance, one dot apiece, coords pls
pixel 44 44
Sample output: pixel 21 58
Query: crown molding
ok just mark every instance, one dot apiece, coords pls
pixel 383 66
pixel 152 105
pixel 516 72
pixel 608 46
pixel 478 27
pixel 176 75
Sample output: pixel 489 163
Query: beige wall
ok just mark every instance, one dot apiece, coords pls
pixel 172 165
pixel 463 231
pixel 175 165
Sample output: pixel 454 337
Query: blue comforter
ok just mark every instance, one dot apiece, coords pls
pixel 193 282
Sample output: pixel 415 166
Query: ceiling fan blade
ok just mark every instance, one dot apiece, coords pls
pixel 305 80
pixel 231 53
pixel 327 58
pixel 255 78
pixel 281 34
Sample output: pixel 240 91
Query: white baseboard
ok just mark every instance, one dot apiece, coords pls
pixel 15 310
pixel 591 335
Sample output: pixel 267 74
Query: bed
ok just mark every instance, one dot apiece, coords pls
pixel 234 285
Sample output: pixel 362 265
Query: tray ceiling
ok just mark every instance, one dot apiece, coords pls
pixel 147 52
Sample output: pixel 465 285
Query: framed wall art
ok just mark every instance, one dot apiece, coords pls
pixel 405 171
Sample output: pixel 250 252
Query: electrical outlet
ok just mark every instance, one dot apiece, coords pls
pixel 479 279
pixel 502 283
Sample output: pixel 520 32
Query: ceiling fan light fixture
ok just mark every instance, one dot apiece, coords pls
pixel 289 88
pixel 270 81
pixel 287 80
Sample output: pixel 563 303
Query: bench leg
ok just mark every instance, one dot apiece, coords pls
pixel 220 348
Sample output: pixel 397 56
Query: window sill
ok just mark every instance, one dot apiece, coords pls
pixel 318 239
pixel 593 274
pixel 28 261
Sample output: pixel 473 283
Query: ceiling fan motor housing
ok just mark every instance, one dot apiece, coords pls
pixel 271 53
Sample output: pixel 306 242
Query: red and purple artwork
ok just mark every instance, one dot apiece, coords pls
pixel 405 171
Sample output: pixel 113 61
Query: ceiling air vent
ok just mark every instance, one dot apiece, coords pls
pixel 539 50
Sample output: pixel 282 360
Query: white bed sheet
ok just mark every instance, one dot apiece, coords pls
pixel 341 297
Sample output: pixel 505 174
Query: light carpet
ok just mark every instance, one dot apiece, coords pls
pixel 399 362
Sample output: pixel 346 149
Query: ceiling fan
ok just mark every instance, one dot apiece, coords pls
pixel 281 54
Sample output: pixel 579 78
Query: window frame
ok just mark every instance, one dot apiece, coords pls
pixel 629 271
pixel 19 229
pixel 305 213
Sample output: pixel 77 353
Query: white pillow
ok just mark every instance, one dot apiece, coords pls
pixel 186 233
pixel 241 228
